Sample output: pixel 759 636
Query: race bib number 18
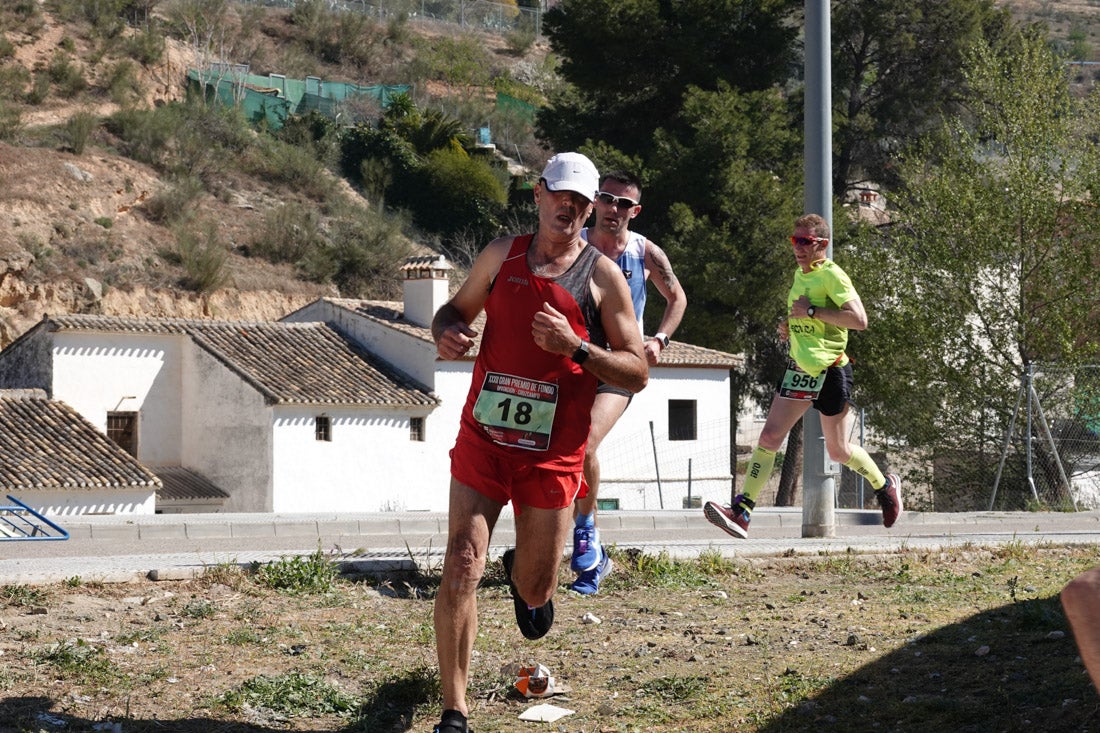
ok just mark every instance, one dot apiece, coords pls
pixel 798 385
pixel 517 412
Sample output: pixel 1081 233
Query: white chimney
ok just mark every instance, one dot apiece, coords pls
pixel 427 283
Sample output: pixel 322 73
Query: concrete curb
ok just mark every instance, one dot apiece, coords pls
pixel 180 547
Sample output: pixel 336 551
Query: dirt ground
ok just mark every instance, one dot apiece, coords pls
pixel 965 640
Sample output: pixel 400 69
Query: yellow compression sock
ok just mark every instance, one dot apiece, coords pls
pixel 862 463
pixel 760 469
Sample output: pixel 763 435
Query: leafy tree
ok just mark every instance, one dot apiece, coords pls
pixel 455 192
pixel 731 189
pixel 990 263
pixel 898 68
pixel 629 62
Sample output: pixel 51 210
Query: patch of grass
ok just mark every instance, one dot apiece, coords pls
pixel 78 659
pixel 295 694
pixel 146 635
pixel 199 608
pixel 243 637
pixel 228 574
pixel 659 570
pixel 23 595
pixel 299 574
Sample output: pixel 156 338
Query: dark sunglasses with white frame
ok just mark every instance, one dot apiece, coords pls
pixel 610 199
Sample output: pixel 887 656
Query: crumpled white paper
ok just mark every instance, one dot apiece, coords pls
pixel 545 713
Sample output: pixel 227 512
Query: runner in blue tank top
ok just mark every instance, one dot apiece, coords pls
pixel 617 203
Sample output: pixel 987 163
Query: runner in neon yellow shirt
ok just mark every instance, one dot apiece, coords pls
pixel 821 308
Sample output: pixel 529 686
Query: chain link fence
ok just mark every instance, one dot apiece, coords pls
pixel 1051 454
pixel 1043 454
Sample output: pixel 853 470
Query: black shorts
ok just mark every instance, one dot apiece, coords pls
pixel 604 388
pixel 836 393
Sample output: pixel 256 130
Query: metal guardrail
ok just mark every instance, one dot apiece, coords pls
pixel 19 522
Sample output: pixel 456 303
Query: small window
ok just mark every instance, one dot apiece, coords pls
pixel 416 429
pixel 609 505
pixel 322 428
pixel 122 430
pixel 681 420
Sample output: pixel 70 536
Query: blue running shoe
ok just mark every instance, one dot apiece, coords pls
pixel 588 582
pixel 586 548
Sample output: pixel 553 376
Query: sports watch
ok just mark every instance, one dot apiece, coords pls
pixel 581 353
pixel 811 310
pixel 662 338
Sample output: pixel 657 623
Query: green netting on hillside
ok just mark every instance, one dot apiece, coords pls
pixel 524 110
pixel 273 98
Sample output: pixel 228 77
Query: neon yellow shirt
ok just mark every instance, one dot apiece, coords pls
pixel 816 345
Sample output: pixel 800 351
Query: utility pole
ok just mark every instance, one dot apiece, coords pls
pixel 818 472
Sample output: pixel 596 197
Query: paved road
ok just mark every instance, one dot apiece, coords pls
pixel 118 549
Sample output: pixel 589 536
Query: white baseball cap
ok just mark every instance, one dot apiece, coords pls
pixel 572 172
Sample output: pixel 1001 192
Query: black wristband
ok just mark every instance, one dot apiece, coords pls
pixel 581 353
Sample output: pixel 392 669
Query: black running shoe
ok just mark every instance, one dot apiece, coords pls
pixel 452 722
pixel 533 622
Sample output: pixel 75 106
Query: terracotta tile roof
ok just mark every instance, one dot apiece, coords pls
pixel 309 363
pixel 45 444
pixel 391 314
pixel 182 484
pixel 289 363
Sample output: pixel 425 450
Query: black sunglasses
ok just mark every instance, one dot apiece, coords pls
pixel 620 201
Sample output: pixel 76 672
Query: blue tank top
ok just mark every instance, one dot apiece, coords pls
pixel 632 264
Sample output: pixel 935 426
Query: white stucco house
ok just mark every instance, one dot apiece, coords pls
pixel 341 406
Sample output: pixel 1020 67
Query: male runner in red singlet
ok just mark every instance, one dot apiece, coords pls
pixel 550 302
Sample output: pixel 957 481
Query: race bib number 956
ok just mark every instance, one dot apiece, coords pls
pixel 515 411
pixel 798 385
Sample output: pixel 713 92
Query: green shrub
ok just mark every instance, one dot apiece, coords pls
pixel 122 83
pixel 461 61
pixel 363 251
pixel 40 89
pixel 146 47
pixel 67 77
pixel 144 134
pixel 457 192
pixel 296 167
pixel 10 121
pixel 337 37
pixel 78 129
pixel 315 132
pixel 519 41
pixel 288 234
pixel 363 142
pixel 23 9
pixel 14 80
pixel 203 256
pixel 173 203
